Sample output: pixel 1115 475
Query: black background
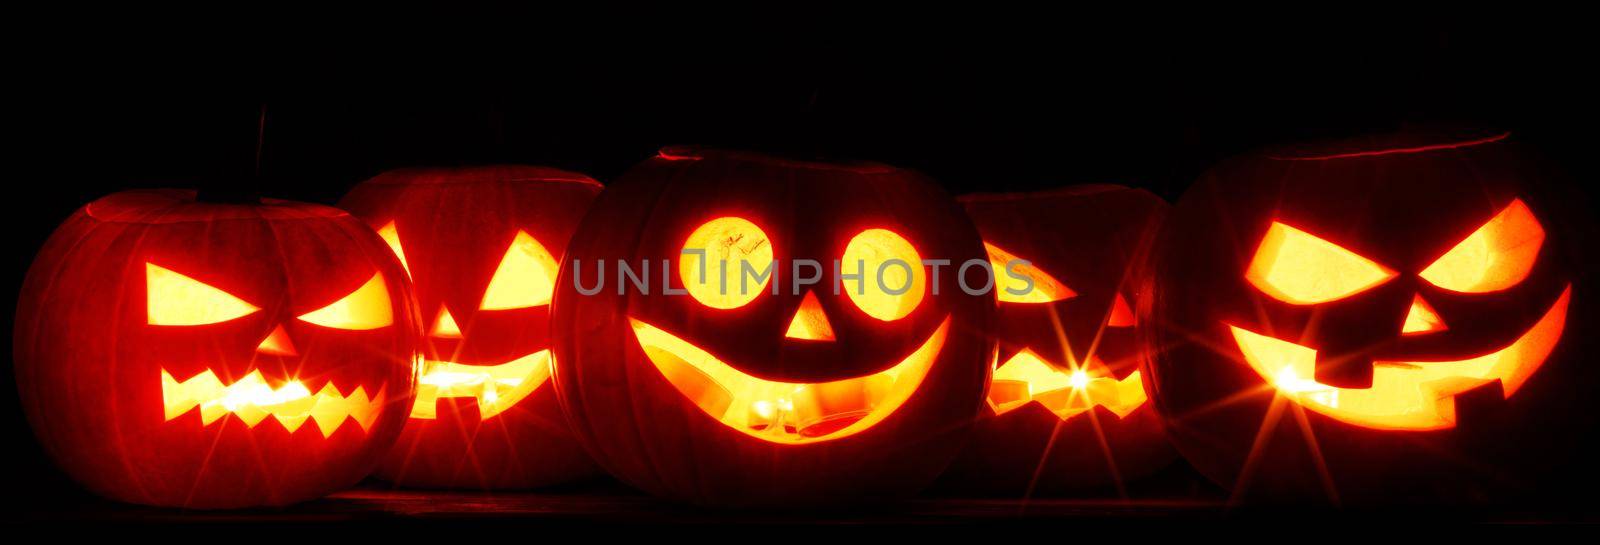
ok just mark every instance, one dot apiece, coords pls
pixel 997 101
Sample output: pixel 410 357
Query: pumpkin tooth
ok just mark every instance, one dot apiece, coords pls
pixel 1026 377
pixel 251 399
pixel 1410 395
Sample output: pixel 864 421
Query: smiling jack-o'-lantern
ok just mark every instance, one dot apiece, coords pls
pixel 482 246
pixel 182 353
pixel 1067 405
pixel 693 380
pixel 1376 320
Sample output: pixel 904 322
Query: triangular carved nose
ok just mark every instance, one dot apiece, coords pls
pixel 809 322
pixel 445 326
pixel 277 343
pixel 1422 318
pixel 1121 313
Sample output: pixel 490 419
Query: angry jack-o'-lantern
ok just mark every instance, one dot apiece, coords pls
pixel 693 379
pixel 482 246
pixel 1067 407
pixel 181 353
pixel 1371 320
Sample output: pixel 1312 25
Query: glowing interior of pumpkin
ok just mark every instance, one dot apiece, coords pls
pixel 173 299
pixel 1013 276
pixel 716 257
pixel 525 278
pixel 786 412
pixel 495 387
pixel 366 308
pixel 882 274
pixel 810 323
pixel 1412 395
pixel 1496 256
pixel 251 400
pixel 391 236
pixel 1026 377
pixel 1422 318
pixel 1296 267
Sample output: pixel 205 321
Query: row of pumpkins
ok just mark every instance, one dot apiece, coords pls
pixel 1370 320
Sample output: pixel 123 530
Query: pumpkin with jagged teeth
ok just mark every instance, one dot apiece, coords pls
pixel 205 355
pixel 482 246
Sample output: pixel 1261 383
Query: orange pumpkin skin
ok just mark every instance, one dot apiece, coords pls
pixel 455 227
pixel 113 325
pixel 1325 427
pixel 647 431
pixel 1094 240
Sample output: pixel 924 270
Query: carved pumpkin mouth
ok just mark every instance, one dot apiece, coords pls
pixel 251 400
pixel 1411 395
pixel 496 387
pixel 1026 377
pixel 787 412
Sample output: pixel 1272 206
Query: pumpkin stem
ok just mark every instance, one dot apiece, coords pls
pixel 239 191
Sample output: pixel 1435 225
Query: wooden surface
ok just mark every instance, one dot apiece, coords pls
pixel 605 503
pixel 609 503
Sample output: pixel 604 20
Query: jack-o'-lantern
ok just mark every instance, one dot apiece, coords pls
pixel 722 367
pixel 208 355
pixel 1067 406
pixel 1377 320
pixel 482 245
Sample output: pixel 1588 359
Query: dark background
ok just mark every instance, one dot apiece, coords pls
pixel 996 101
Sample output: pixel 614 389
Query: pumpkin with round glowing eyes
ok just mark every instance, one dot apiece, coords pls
pixel 1067 406
pixel 723 369
pixel 181 353
pixel 482 246
pixel 1368 321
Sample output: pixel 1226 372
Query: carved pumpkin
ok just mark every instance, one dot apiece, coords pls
pixel 773 391
pixel 482 245
pixel 180 353
pixel 1373 320
pixel 1067 404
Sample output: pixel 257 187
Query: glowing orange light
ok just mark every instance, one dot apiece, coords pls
pixel 1026 377
pixel 717 277
pixel 875 250
pixel 1295 267
pixel 1045 287
pixel 1121 314
pixel 809 322
pixel 252 400
pixel 786 412
pixel 391 235
pixel 175 299
pixel 525 278
pixel 1416 395
pixel 366 308
pixel 445 326
pixel 1422 318
pixel 495 387
pixel 277 343
pixel 1498 255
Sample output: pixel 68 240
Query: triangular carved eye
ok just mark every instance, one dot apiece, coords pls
pixel 1298 268
pixel 391 235
pixel 1498 255
pixel 175 299
pixel 525 278
pixel 366 308
pixel 1013 276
